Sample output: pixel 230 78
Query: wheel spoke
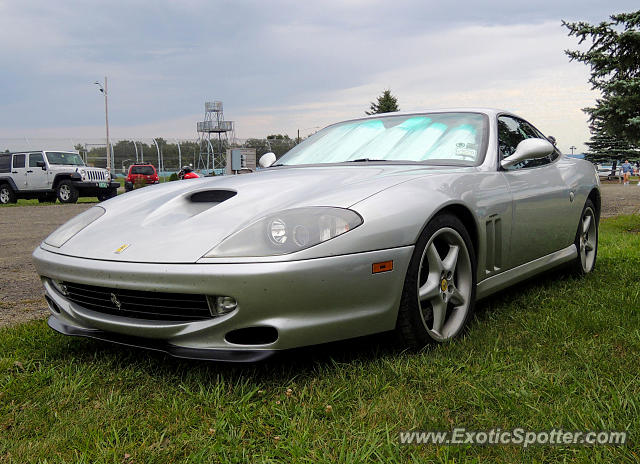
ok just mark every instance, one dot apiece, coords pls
pixel 439 314
pixel 450 261
pixel 430 289
pixel 435 263
pixel 588 246
pixel 586 223
pixel 457 298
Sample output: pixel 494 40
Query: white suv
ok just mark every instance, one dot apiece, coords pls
pixel 47 175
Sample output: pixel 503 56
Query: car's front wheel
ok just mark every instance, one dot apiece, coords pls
pixel 7 195
pixel 66 192
pixel 440 287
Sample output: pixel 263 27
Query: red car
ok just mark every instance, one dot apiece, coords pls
pixel 138 172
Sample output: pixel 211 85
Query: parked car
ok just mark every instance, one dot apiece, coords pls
pixel 140 173
pixel 47 175
pixel 395 222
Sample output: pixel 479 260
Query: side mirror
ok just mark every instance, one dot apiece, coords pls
pixel 267 160
pixel 528 149
pixel 40 164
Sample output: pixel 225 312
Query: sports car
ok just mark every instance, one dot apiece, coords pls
pixel 395 222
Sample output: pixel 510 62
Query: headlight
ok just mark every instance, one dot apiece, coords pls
pixel 107 176
pixel 287 232
pixel 67 230
pixel 83 174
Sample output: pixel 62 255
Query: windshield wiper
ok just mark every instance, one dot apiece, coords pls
pixel 363 160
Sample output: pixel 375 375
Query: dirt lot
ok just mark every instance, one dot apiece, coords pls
pixel 23 228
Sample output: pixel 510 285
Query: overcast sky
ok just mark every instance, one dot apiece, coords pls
pixel 280 66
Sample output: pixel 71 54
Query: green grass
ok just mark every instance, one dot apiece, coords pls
pixel 555 352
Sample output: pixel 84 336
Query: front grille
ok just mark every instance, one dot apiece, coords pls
pixel 173 307
pixel 95 175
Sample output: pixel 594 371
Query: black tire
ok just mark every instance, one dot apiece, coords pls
pixel 586 241
pixel 7 195
pixel 108 194
pixel 128 186
pixel 67 192
pixel 48 198
pixel 412 327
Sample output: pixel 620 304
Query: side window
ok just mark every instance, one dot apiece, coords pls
pixel 509 136
pixel 18 161
pixel 34 158
pixel 5 163
pixel 511 132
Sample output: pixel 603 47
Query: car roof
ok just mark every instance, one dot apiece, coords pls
pixel 28 152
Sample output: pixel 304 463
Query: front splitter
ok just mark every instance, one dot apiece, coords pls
pixel 234 356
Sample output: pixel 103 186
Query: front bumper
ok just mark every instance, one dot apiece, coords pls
pixel 95 186
pixel 308 301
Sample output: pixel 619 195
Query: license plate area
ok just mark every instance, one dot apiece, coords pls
pixel 102 184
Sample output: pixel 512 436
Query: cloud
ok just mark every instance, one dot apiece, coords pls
pixel 280 66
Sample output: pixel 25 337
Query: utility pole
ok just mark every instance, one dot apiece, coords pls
pixel 103 89
pixel 106 122
pixel 572 148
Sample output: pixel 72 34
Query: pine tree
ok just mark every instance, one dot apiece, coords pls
pixel 386 103
pixel 614 59
pixel 605 148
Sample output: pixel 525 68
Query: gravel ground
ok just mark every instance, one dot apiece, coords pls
pixel 23 228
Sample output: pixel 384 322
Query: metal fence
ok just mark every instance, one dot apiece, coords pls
pixel 168 155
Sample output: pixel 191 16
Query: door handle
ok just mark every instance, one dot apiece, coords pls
pixel 29 170
pixel 14 172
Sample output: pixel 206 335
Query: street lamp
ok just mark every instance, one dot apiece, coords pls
pixel 572 148
pixel 103 89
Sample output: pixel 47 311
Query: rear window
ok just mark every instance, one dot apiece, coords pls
pixel 144 170
pixel 5 163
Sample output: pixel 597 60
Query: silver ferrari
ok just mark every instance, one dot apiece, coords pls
pixel 395 222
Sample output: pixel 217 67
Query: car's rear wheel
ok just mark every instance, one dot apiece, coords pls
pixel 66 192
pixel 440 287
pixel 7 195
pixel 586 240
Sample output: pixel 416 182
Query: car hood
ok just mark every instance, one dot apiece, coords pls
pixel 161 224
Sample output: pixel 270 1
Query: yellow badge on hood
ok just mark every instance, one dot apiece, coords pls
pixel 121 249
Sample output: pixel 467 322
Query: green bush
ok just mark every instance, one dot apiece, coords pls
pixel 173 176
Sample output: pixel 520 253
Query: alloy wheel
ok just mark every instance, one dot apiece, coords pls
pixel 588 239
pixel 445 283
pixel 65 192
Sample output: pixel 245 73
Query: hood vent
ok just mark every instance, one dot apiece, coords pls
pixel 211 196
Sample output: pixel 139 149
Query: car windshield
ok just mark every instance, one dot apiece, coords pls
pixel 144 170
pixel 61 157
pixel 436 138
